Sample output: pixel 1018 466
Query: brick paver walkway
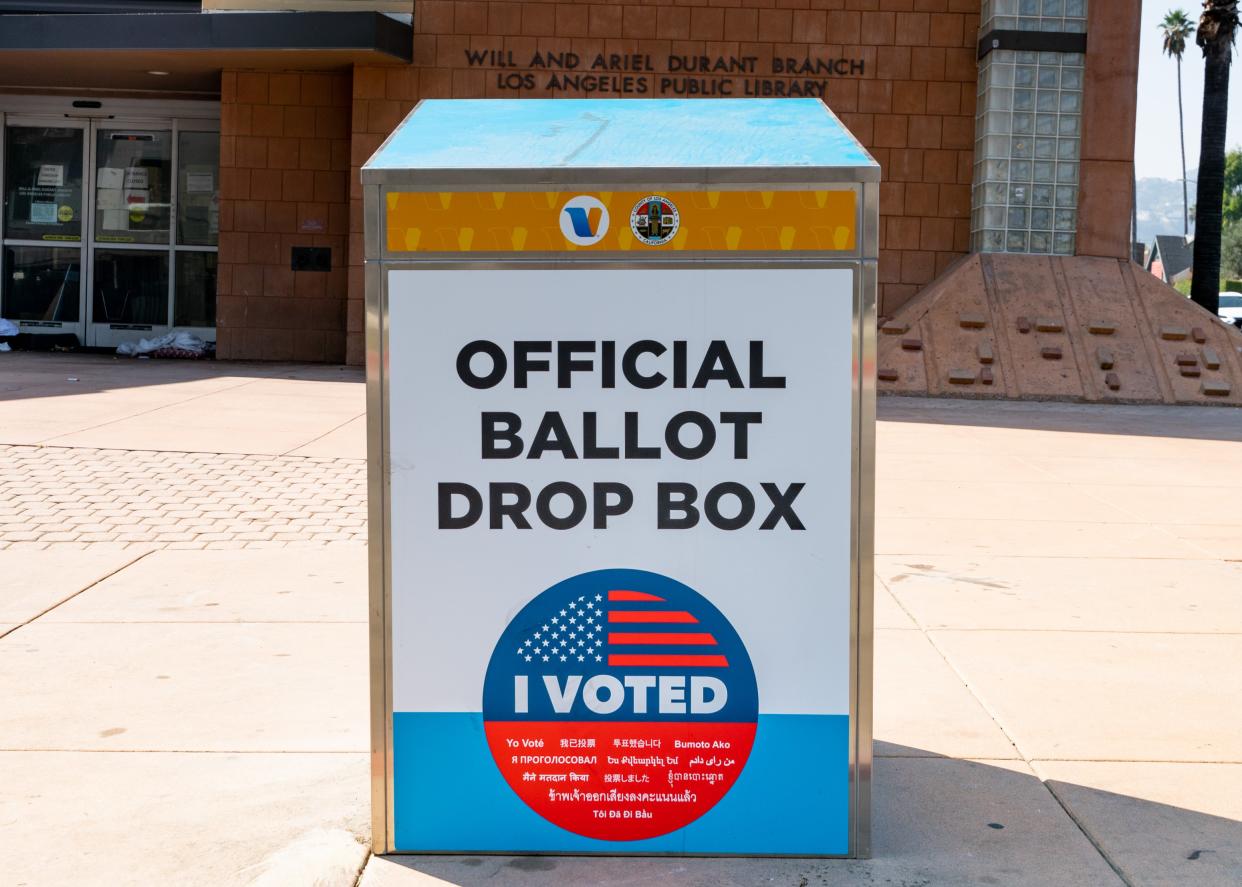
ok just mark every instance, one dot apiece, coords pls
pixel 73 496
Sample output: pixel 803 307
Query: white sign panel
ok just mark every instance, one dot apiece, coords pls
pixel 620 548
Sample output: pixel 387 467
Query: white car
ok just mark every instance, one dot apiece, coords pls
pixel 1230 310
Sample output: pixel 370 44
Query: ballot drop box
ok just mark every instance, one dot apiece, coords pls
pixel 620 431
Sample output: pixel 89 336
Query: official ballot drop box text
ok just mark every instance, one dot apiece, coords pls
pixel 620 431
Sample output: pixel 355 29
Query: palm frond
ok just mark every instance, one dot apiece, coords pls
pixel 1217 27
pixel 1177 28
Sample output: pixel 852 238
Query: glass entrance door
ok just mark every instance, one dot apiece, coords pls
pixel 154 232
pixel 131 234
pixel 41 286
pixel 110 228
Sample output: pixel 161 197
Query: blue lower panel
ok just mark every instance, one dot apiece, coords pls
pixel 792 797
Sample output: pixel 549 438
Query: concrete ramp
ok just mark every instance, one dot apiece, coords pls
pixel 1060 328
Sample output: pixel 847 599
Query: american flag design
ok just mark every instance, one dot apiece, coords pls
pixel 622 627
pixel 620 704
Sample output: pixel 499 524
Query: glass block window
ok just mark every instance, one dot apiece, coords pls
pixel 1066 16
pixel 1025 193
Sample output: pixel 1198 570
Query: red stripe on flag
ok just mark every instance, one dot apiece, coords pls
pixel 667 661
pixel 632 596
pixel 650 616
pixel 624 637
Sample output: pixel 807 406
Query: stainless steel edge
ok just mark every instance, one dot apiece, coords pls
pixel 648 256
pixel 860 605
pixel 869 241
pixel 386 480
pixel 373 208
pixel 376 550
pixel 708 261
pixel 769 178
pixel 865 654
pixel 841 123
pixel 855 407
pixel 369 176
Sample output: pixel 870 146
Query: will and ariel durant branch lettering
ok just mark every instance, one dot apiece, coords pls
pixel 639 74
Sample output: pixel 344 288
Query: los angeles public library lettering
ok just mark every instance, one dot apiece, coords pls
pixel 645 74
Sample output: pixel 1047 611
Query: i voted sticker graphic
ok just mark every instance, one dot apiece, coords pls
pixel 620 705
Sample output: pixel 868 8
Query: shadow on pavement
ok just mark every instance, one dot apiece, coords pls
pixel 39 374
pixel 1154 843
pixel 1148 420
pixel 937 821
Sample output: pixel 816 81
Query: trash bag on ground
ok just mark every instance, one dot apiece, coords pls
pixel 179 344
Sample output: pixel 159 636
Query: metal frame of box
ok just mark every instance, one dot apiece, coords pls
pixel 378 183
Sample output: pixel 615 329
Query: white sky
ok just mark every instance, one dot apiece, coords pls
pixel 1156 153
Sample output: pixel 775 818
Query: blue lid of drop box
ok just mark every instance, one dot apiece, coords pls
pixel 568 134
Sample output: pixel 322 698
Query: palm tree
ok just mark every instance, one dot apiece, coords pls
pixel 1217 26
pixel 1177 27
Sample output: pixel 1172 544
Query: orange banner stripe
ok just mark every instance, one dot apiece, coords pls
pixel 711 221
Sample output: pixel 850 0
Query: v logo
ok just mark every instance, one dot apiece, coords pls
pixel 584 219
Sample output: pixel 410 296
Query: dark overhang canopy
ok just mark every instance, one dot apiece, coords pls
pixel 52 7
pixel 109 50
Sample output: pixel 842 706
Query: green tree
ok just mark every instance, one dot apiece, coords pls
pixel 1177 28
pixel 1233 187
pixel 1231 251
pixel 1217 27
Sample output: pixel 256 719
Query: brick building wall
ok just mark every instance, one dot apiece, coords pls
pixel 284 172
pixel 913 105
pixel 1110 105
pixel 292 143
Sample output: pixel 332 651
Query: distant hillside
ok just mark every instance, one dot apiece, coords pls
pixel 1160 207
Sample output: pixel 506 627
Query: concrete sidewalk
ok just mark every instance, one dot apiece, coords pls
pixel 106 402
pixel 1058 650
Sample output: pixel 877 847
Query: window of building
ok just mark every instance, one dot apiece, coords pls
pixel 1066 16
pixel 1028 127
pixel 1027 133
